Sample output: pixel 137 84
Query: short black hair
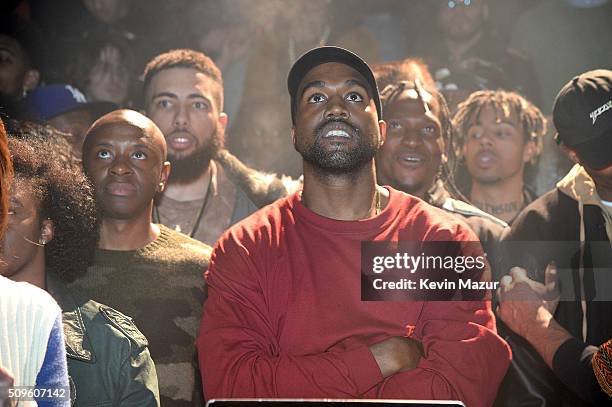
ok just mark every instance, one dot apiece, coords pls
pixel 6 175
pixel 186 58
pixel 67 198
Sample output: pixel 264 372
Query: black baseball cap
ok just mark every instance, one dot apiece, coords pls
pixel 322 55
pixel 582 114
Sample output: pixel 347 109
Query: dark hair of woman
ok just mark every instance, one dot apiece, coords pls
pixel 66 197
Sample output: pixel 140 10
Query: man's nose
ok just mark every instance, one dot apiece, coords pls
pixel 411 137
pixel 181 119
pixel 484 138
pixel 336 109
pixel 120 168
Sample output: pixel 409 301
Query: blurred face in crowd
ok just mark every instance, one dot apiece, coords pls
pixel 23 245
pixel 108 11
pixel 125 159
pixel 495 148
pixel 337 127
pixel 461 20
pixel 109 78
pixel 15 76
pixel 262 142
pixel 181 101
pixel 76 124
pixel 410 158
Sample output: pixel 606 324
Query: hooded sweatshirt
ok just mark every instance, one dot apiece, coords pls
pixel 572 227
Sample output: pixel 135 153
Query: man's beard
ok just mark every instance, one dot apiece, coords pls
pixel 338 161
pixel 189 168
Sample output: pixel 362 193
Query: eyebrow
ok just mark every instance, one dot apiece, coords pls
pixel 312 84
pixel 320 84
pixel 7 48
pixel 174 96
pixel 355 82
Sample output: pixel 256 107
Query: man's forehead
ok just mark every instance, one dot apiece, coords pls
pixel 182 77
pixel 143 131
pixel 334 72
pixel 501 113
pixel 126 128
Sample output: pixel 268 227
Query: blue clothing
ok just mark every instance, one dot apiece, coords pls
pixel 54 372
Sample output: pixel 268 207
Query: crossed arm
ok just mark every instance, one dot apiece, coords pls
pixel 453 353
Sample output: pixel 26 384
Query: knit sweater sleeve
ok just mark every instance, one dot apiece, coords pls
pixel 53 374
pixel 238 338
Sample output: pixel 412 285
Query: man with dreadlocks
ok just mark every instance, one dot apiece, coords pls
pixel 417 154
pixel 500 139
pixel 50 241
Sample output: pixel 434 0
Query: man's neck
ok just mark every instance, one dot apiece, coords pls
pixel 193 191
pixel 605 193
pixel 131 234
pixel 503 199
pixel 419 191
pixel 458 49
pixel 342 197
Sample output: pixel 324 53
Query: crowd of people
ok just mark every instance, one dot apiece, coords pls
pixel 185 217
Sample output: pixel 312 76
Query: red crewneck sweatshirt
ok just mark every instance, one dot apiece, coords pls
pixel 284 316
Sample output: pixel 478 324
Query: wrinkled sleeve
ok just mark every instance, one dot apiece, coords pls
pixel 139 378
pixel 238 347
pixel 464 358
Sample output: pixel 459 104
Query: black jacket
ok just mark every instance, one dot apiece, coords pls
pixel 551 226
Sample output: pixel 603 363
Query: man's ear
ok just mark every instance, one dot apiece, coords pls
pixel 222 122
pixel 382 126
pixel 30 80
pixel 293 134
pixel 530 151
pixel 47 229
pixel 165 173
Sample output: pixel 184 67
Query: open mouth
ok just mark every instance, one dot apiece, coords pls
pixel 337 131
pixel 485 158
pixel 181 141
pixel 411 159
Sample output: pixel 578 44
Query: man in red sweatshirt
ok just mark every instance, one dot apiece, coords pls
pixel 284 316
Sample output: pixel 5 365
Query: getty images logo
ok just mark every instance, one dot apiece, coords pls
pixel 601 109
